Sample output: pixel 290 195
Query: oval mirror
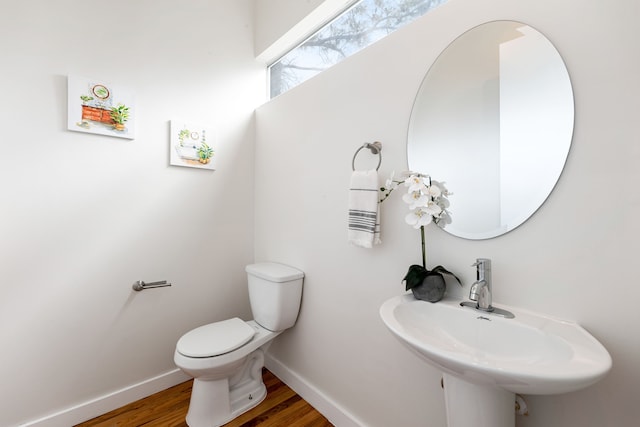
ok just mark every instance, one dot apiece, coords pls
pixel 493 119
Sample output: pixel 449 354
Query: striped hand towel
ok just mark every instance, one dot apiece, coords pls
pixel 364 214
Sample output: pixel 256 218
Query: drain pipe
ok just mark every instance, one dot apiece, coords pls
pixel 521 406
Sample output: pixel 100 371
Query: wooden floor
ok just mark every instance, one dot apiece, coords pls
pixel 281 408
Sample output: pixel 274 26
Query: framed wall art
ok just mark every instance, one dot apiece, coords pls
pixel 191 145
pixel 100 108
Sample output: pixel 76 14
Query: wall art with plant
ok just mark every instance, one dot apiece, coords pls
pixel 191 145
pixel 100 108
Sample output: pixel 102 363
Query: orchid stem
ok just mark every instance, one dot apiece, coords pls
pixel 424 258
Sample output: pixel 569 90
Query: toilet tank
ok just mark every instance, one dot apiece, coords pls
pixel 275 291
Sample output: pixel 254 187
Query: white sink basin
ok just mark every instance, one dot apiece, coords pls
pixel 530 354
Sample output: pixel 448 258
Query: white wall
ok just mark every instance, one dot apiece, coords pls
pixel 275 17
pixel 574 258
pixel 84 216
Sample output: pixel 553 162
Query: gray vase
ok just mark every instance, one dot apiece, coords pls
pixel 431 289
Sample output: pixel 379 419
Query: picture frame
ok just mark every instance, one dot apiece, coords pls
pixel 101 108
pixel 192 145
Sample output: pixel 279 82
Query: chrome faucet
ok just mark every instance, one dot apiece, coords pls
pixel 481 292
pixel 481 289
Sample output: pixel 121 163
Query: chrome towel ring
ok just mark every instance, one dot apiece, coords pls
pixel 375 147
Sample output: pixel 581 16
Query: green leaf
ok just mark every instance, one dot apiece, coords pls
pixel 415 276
pixel 417 273
pixel 441 270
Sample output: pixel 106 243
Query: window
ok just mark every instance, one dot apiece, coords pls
pixel 364 23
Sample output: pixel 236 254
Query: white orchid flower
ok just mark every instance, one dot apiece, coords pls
pixel 443 189
pixel 415 199
pixel 418 218
pixel 427 199
pixel 443 203
pixel 432 209
pixel 415 183
pixel 434 191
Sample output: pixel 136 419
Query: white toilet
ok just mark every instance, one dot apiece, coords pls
pixel 226 358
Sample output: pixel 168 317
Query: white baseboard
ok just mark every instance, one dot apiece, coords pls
pixel 84 411
pixel 107 403
pixel 336 414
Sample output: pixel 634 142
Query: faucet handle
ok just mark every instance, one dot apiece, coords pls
pixel 483 266
pixel 481 262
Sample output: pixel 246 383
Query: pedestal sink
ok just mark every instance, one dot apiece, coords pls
pixel 486 359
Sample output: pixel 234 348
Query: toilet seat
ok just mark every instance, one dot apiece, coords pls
pixel 215 339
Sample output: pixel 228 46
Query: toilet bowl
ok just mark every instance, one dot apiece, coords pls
pixel 226 358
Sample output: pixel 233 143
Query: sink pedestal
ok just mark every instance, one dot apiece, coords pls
pixel 473 405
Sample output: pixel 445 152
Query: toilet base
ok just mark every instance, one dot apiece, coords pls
pixel 216 402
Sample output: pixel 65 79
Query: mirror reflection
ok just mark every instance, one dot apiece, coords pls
pixel 493 119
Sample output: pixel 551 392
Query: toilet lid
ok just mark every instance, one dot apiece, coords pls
pixel 215 338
